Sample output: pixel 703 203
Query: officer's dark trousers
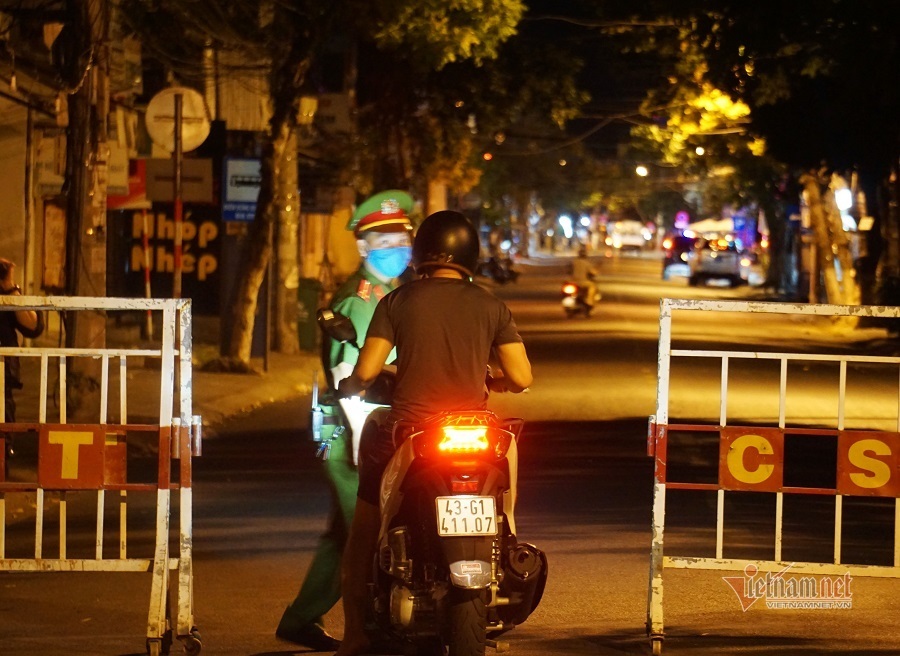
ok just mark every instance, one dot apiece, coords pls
pixel 322 587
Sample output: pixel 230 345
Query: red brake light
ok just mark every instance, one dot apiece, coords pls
pixel 465 485
pixel 463 439
pixel 474 435
pixel 569 288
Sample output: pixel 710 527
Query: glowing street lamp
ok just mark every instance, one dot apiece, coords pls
pixel 642 170
pixel 844 199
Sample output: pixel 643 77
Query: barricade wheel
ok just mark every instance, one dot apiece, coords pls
pixel 657 645
pixel 192 642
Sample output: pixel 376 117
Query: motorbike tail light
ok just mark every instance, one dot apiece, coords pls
pixel 463 439
pixel 569 288
pixel 470 435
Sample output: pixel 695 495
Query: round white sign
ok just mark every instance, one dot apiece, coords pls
pixel 161 119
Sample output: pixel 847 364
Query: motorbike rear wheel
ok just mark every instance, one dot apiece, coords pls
pixel 467 623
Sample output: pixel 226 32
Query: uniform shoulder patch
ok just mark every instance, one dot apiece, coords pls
pixel 364 290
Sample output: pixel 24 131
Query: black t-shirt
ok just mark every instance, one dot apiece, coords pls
pixel 444 329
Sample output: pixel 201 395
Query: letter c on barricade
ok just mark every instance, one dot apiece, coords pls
pixel 751 459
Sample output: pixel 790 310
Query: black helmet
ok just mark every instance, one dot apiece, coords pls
pixel 446 239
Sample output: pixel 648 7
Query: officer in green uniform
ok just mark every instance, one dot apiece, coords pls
pixel 381 225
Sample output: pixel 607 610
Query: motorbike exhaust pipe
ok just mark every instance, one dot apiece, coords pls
pixel 524 561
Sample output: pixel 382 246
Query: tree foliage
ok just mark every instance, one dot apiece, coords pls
pixel 705 133
pixel 284 39
pixel 821 76
pixel 420 124
pixel 442 32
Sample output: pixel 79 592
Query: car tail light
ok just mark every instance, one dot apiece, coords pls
pixel 569 288
pixel 463 439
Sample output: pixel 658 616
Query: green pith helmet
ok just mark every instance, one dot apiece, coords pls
pixel 387 211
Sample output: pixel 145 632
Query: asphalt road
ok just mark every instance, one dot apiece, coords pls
pixel 585 495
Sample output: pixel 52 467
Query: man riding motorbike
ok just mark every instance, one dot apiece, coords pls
pixel 585 275
pixel 440 323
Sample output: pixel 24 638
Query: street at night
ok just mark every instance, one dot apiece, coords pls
pixel 264 263
pixel 585 498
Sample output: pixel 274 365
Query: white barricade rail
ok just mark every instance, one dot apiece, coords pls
pixel 92 458
pixel 868 461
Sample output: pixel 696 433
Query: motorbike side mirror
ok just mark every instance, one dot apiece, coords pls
pixel 336 325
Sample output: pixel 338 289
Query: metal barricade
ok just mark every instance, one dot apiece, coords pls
pixel 752 457
pixel 94 458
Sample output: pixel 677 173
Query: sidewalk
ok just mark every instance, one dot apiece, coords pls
pixel 218 396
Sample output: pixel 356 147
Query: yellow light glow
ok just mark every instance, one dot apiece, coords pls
pixel 465 439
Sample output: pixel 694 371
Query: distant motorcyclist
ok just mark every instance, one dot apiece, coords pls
pixel 381 225
pixel 585 275
pixel 445 329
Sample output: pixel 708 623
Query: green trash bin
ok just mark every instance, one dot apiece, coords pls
pixel 308 293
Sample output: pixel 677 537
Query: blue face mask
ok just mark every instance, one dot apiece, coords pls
pixel 390 262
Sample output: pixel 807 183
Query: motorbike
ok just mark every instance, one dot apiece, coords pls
pixel 449 575
pixel 575 300
pixel 499 269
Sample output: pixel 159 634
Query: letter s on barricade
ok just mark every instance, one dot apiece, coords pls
pixel 876 473
pixel 868 463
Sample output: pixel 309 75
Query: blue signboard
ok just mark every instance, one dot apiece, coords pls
pixel 240 189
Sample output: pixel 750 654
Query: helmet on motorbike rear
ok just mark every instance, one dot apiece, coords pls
pixel 446 239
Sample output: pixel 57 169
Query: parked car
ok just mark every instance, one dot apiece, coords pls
pixel 628 235
pixel 717 259
pixel 677 250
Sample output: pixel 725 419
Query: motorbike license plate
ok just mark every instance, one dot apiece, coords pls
pixel 466 515
pixel 569 302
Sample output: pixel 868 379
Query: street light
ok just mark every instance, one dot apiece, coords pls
pixel 844 199
pixel 642 170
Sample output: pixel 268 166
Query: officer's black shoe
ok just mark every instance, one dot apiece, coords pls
pixel 312 636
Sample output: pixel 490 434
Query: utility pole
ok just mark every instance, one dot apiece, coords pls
pixel 87 77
